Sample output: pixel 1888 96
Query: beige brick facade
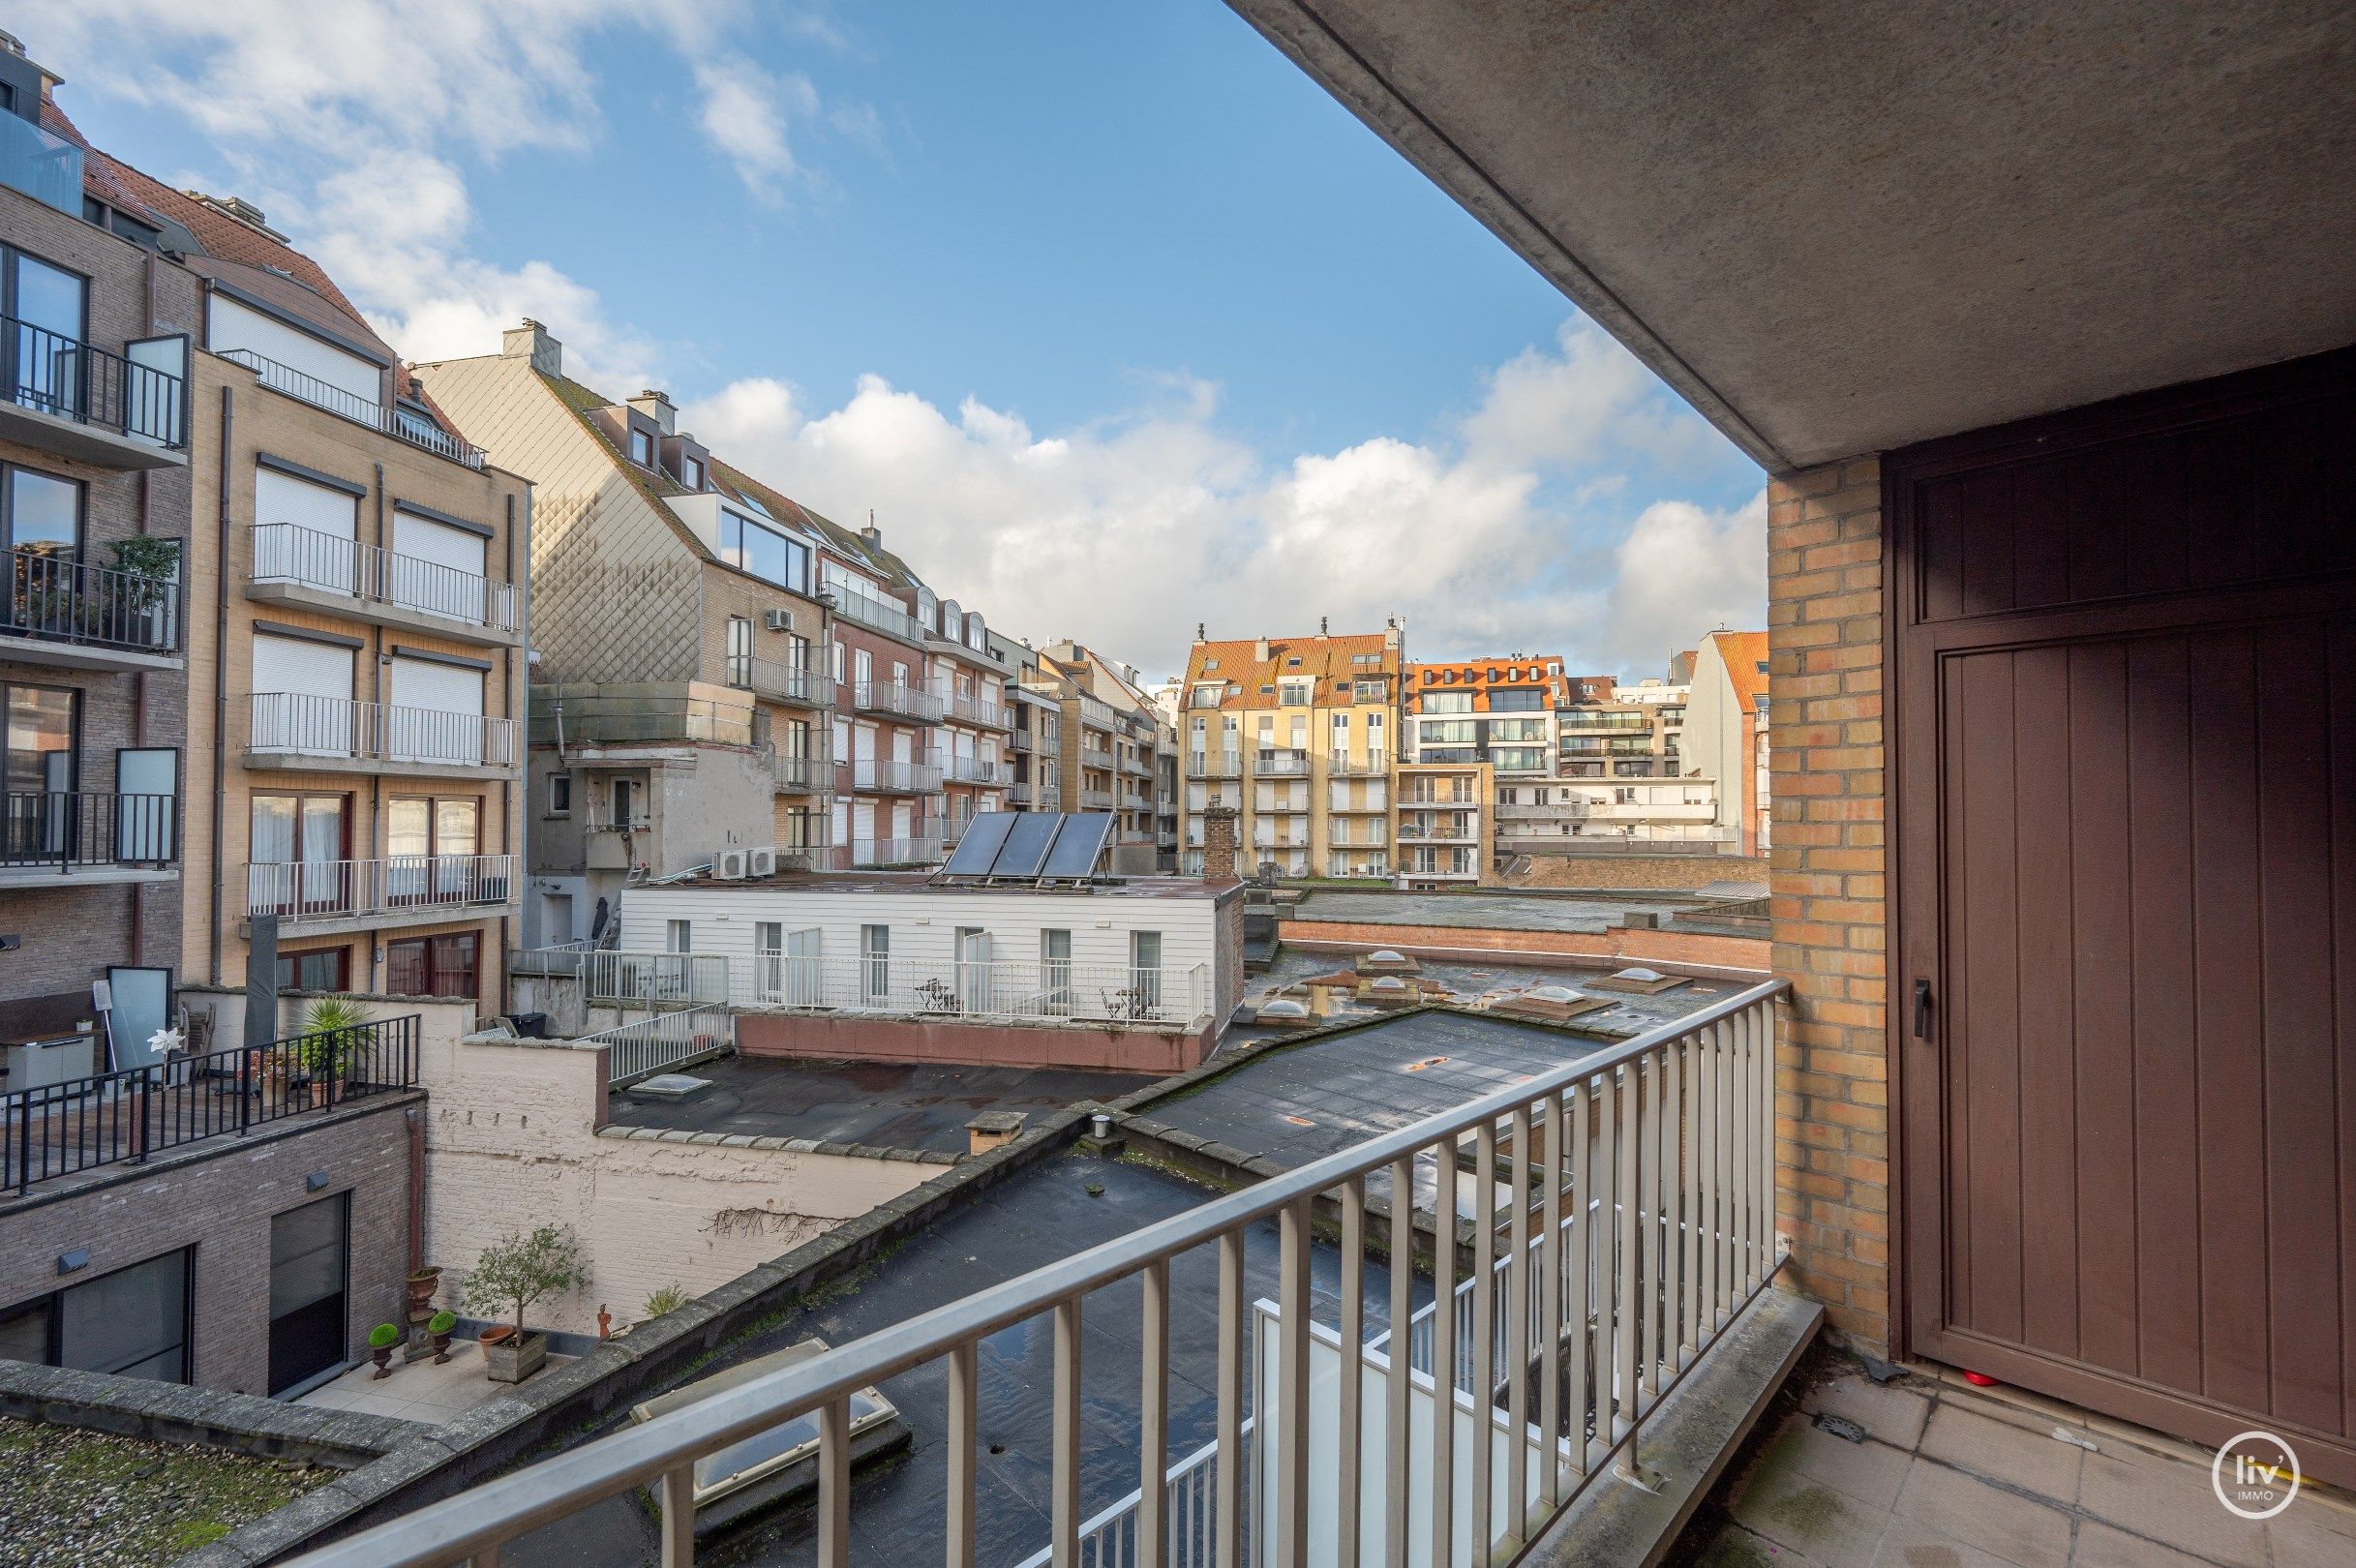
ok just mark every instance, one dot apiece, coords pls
pixel 1828 876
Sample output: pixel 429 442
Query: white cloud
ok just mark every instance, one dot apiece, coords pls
pixel 1511 534
pixel 349 120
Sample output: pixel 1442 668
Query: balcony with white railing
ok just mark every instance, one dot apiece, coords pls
pixel 855 601
pixel 977 712
pixel 780 680
pixel 371 412
pixel 57 611
pixel 293 730
pixel 1096 756
pixel 897 699
pixel 1097 799
pixel 1281 762
pixel 366 895
pixel 1097 714
pixel 1346 833
pixel 1342 765
pixel 1439 828
pixel 1007 992
pixel 917 849
pixel 974 770
pixel 884 775
pixel 307 570
pixel 804 773
pixel 1214 764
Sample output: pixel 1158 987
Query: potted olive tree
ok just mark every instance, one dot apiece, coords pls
pixel 508 1278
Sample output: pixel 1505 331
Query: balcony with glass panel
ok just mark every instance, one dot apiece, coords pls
pixel 126 410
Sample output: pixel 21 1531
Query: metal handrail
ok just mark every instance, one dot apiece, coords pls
pixel 784 679
pixel 59 830
pixel 374 412
pixel 52 374
pixel 1714 1264
pixel 335 563
pixel 305 725
pixel 903 698
pixel 303 890
pixel 57 598
pixel 892 777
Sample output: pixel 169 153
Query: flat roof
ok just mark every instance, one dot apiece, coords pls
pixel 1492 910
pixel 886 1105
pixel 1472 984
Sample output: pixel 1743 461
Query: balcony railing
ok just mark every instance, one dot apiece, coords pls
pixel 804 773
pixel 55 598
pixel 899 698
pixel 1029 992
pixel 1020 740
pixel 1137 765
pixel 1342 765
pixel 301 725
pixel 1095 757
pixel 372 412
pixel 1575 720
pixel 975 710
pixel 780 680
pixel 300 891
pixel 1095 799
pixel 1276 841
pixel 1282 761
pixel 62 831
pixel 923 849
pixel 1214 764
pixel 1461 831
pixel 610 977
pixel 887 776
pixel 331 563
pixel 127 1116
pixel 68 378
pixel 663 1043
pixel 874 611
pixel 1096 715
pixel 974 770
pixel 1643 1229
pixel 1370 834
pixel 585 717
pixel 1020 794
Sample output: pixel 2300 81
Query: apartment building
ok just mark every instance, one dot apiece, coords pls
pixel 94 524
pixel 969 678
pixel 1299 735
pixel 1726 736
pixel 1622 783
pixel 1447 821
pixel 1034 739
pixel 1117 766
pixel 1498 713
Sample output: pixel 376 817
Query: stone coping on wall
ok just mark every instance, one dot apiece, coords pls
pixel 556 1404
pixel 198 1417
pixel 746 1140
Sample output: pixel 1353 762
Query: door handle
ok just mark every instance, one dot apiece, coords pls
pixel 1922 1009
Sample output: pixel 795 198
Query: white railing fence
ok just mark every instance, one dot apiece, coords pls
pixel 334 564
pixel 663 1043
pixel 1643 1183
pixel 298 722
pixel 311 891
pixel 609 975
pixel 1100 993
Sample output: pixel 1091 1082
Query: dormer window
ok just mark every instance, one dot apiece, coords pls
pixel 642 447
pixel 691 472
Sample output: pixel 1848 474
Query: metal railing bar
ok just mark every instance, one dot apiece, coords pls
pixel 508 1506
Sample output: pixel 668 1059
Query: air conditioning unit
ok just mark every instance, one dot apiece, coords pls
pixel 777 619
pixel 728 865
pixel 761 862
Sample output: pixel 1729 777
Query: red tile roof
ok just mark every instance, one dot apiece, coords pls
pixel 1745 654
pixel 1327 660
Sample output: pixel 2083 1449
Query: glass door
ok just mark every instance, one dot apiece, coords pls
pixel 307 1255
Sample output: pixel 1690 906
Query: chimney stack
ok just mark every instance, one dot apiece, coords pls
pixel 531 342
pixel 1390 634
pixel 873 535
pixel 1219 843
pixel 1259 650
pixel 658 407
pixel 1200 635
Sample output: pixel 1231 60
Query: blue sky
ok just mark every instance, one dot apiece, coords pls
pixel 1117 320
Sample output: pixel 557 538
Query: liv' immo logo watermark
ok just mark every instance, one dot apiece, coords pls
pixel 2255 1475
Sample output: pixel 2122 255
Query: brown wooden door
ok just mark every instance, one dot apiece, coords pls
pixel 2125 725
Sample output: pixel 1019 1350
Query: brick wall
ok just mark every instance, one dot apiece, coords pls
pixel 1825 675
pixel 221 1199
pixel 1696 952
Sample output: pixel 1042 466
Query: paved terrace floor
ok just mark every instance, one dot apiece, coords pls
pixel 419 1389
pixel 886 1105
pixel 1951 1476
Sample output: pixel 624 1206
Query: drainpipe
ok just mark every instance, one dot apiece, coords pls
pixel 221 677
pixel 416 1120
pixel 511 819
pixel 377 693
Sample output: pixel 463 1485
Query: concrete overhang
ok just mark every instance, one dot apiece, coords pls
pixel 1837 230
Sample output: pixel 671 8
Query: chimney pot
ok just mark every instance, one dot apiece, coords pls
pixel 658 407
pixel 1259 649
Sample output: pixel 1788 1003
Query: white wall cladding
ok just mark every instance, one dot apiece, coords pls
pixel 924 925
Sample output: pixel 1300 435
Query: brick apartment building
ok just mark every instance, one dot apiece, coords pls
pixel 94 525
pixel 1124 744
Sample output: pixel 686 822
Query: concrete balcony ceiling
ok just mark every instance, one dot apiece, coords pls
pixel 1837 231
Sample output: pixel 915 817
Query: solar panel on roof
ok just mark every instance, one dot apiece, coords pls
pixel 1026 847
pixel 979 849
pixel 1078 846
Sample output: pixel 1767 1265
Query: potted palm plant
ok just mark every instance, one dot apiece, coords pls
pixel 507 1278
pixel 332 1030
